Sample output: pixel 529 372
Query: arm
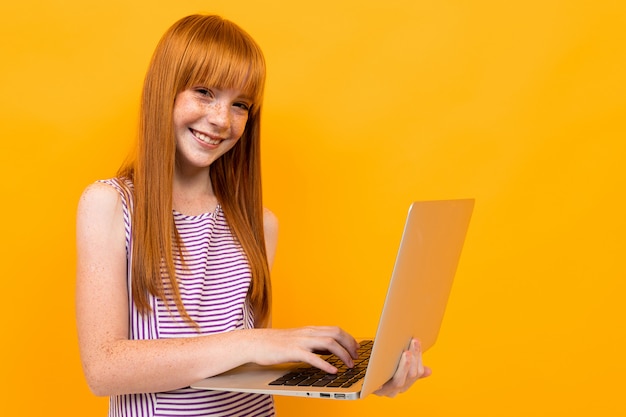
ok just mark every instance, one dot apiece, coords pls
pixel 113 364
pixel 270 229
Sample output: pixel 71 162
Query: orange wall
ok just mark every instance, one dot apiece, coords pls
pixel 369 105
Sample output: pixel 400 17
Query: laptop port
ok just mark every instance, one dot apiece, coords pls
pixel 340 396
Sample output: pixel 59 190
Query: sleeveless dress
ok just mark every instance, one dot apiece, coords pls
pixel 213 287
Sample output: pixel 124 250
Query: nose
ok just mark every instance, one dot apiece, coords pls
pixel 218 114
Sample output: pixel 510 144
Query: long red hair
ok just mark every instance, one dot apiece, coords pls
pixel 210 51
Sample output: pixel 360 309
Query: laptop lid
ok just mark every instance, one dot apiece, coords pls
pixel 417 295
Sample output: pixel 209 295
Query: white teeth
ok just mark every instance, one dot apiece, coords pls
pixel 205 138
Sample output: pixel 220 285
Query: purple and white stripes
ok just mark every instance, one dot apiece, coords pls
pixel 213 284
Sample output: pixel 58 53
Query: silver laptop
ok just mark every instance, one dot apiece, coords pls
pixel 422 277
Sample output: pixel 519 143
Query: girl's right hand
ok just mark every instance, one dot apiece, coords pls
pixel 276 346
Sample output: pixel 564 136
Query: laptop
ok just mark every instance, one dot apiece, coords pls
pixel 416 299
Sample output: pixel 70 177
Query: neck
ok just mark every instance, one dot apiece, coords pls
pixel 192 193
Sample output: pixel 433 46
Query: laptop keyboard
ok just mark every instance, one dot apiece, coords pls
pixel 310 376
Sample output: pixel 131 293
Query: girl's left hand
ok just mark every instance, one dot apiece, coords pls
pixel 409 370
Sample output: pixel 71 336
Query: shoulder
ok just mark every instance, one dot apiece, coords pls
pixel 100 209
pixel 99 195
pixel 109 191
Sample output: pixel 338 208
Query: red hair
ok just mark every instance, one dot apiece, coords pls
pixel 211 51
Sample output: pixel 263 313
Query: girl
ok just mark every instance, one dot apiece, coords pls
pixel 173 281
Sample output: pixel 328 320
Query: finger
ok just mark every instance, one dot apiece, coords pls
pixel 342 337
pixel 392 387
pixel 397 383
pixel 415 365
pixel 335 341
pixel 399 378
pixel 316 361
pixel 422 371
pixel 331 345
pixel 409 370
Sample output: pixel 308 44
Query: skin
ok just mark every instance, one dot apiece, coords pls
pixel 115 365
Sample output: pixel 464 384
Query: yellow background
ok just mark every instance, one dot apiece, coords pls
pixel 369 105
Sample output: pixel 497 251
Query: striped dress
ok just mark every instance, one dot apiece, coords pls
pixel 213 287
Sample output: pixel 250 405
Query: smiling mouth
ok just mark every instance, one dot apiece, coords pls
pixel 205 138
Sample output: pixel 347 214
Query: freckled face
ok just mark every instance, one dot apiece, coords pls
pixel 208 122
